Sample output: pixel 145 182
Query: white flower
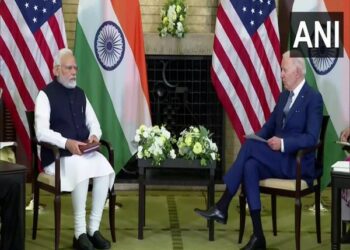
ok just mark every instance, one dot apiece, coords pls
pixel 195 143
pixel 163 32
pixel 155 143
pixel 139 152
pixel 165 132
pixel 159 141
pixel 213 146
pixel 145 134
pixel 172 154
pixel 173 13
pixel 180 27
pixel 137 137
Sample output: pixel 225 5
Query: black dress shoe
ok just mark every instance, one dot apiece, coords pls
pixel 82 243
pixel 255 243
pixel 213 213
pixel 99 241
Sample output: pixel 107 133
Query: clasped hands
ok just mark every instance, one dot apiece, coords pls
pixel 274 143
pixel 73 145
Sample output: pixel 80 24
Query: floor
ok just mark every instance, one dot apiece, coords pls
pixel 171 224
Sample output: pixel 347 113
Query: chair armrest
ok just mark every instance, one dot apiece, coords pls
pixel 302 152
pixel 299 156
pixel 56 152
pixel 110 151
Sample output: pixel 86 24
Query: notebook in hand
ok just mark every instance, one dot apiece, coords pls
pixel 344 143
pixel 89 147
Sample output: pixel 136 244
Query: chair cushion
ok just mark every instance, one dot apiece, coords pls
pixel 284 184
pixel 47 179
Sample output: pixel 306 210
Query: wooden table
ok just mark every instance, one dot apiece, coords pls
pixel 340 180
pixel 176 172
pixel 19 172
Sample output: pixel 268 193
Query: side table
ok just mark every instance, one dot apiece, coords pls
pixel 340 180
pixel 171 173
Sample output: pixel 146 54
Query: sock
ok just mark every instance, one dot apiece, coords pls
pixel 99 195
pixel 79 195
pixel 256 220
pixel 224 201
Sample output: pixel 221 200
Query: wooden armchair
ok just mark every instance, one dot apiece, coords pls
pixel 52 184
pixel 295 188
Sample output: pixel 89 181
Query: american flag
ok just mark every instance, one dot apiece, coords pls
pixel 31 33
pixel 246 62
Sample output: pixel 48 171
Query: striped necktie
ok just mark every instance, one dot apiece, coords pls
pixel 287 107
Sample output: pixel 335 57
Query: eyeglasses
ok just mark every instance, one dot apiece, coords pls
pixel 70 67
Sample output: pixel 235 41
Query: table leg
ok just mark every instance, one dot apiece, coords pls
pixel 335 228
pixel 142 199
pixel 211 193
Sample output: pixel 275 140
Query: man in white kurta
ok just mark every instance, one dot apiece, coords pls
pixel 55 107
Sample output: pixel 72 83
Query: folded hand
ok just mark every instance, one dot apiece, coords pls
pixel 73 146
pixel 274 143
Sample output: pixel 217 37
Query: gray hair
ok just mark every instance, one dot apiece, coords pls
pixel 298 59
pixel 61 53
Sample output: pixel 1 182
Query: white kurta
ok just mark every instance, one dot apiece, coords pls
pixel 75 168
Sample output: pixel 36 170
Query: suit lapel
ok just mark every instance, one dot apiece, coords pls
pixel 299 101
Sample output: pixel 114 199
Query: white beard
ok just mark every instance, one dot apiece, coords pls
pixel 69 84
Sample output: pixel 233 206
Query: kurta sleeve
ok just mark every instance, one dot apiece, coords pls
pixel 42 122
pixel 91 121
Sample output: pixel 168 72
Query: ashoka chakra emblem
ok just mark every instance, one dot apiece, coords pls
pixel 323 59
pixel 109 45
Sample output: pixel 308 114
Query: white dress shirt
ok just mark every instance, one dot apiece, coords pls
pixel 296 92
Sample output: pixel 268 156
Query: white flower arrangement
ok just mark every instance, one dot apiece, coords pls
pixel 196 143
pixel 173 16
pixel 154 143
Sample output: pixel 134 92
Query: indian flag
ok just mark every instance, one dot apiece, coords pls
pixel 332 78
pixel 110 54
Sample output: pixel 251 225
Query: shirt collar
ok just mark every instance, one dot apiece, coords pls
pixel 296 91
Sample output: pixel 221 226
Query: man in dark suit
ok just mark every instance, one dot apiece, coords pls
pixel 295 123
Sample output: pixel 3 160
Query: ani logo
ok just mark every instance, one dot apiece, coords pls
pixel 109 45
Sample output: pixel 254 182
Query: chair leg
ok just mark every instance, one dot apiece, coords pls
pixel 242 215
pixel 297 222
pixel 35 211
pixel 57 208
pixel 318 213
pixel 274 214
pixel 112 197
pixel 343 228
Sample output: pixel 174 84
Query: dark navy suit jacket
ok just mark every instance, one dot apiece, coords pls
pixel 301 130
pixel 257 161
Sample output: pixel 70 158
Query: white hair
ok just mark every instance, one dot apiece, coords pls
pixel 297 58
pixel 61 53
